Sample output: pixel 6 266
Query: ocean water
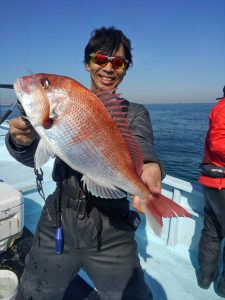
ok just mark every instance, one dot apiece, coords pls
pixel 179 133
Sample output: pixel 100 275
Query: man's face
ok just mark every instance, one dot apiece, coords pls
pixel 106 77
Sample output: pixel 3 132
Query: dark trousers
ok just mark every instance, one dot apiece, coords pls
pixel 213 231
pixel 115 269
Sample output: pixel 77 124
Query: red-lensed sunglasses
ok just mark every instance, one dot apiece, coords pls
pixel 117 62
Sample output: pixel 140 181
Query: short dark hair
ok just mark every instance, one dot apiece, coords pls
pixel 108 40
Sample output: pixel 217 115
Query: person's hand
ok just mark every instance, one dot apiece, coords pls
pixel 151 176
pixel 21 134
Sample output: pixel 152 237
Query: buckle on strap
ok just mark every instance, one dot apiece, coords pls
pixel 81 208
pixel 78 205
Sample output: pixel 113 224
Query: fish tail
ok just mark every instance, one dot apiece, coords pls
pixel 162 207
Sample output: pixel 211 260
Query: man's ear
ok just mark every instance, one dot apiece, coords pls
pixel 87 66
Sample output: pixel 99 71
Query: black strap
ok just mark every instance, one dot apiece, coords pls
pixel 96 217
pixel 212 171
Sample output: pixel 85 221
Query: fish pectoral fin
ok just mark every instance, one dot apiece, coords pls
pixel 42 154
pixel 99 190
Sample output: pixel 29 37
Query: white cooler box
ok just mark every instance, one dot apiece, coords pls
pixel 11 215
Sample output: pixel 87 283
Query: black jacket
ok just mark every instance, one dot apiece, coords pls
pixel 140 125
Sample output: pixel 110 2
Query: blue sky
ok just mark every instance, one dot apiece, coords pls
pixel 178 45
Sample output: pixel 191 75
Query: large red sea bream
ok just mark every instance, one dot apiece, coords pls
pixel 90 133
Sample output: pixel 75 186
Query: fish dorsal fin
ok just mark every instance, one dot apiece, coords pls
pixel 118 109
pixel 99 190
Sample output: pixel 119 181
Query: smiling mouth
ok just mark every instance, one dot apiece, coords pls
pixel 106 78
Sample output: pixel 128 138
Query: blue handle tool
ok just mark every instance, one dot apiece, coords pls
pixel 59 240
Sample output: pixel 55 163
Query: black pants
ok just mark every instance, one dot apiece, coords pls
pixel 115 269
pixel 213 231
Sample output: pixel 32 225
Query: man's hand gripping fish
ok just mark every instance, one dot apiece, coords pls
pixel 90 133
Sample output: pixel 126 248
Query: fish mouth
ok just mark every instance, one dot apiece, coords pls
pixel 24 85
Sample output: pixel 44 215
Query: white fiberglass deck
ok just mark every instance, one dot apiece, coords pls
pixel 169 262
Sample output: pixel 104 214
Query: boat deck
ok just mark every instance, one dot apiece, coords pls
pixel 169 262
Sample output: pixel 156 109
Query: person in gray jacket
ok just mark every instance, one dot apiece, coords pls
pixel 98 233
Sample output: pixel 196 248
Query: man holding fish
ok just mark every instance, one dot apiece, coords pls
pixel 103 146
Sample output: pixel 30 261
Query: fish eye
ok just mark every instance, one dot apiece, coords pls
pixel 45 83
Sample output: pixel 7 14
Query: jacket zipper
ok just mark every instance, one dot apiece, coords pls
pixel 220 185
